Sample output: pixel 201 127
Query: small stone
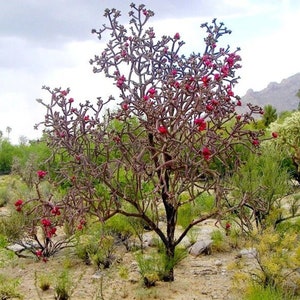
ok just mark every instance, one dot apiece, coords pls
pixel 97 275
pixel 249 253
pixel 218 263
pixel 201 246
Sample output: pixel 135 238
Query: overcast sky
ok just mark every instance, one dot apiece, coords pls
pixel 48 42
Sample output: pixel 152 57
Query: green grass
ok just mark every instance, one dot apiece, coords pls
pixel 259 293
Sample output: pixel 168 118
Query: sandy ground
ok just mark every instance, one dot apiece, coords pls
pixel 203 277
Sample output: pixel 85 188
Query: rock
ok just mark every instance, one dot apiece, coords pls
pixel 97 275
pixel 16 248
pixel 248 253
pixel 148 240
pixel 4 212
pixel 134 277
pixel 201 246
pixel 206 231
pixel 205 272
pixel 218 263
pixel 186 243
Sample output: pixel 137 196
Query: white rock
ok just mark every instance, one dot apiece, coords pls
pixel 201 246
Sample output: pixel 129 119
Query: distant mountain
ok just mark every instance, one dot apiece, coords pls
pixel 280 95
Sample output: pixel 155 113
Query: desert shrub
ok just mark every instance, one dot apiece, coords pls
pixel 236 239
pixel 95 246
pixel 6 256
pixel 219 241
pixel 9 288
pixel 44 282
pixel 28 159
pixel 156 264
pixel 11 188
pixel 180 254
pixel 7 153
pixel 37 221
pixel 63 286
pixel 257 292
pixel 190 210
pixel 4 196
pixel 150 267
pixel 103 256
pixel 262 182
pixel 123 227
pixel 277 256
pixel 11 226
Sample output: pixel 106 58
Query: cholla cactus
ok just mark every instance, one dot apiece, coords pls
pixel 175 123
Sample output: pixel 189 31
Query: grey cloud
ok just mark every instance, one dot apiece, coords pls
pixel 57 21
pixel 31 28
pixel 47 22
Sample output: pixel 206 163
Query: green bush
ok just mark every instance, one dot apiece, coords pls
pixel 219 243
pixel 257 292
pixel 262 181
pixel 63 286
pixel 190 210
pixel 277 262
pixel 4 196
pixel 6 256
pixel 151 267
pixel 95 246
pixel 154 266
pixel 9 288
pixel 11 227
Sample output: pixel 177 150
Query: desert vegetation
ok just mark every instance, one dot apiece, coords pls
pixel 139 173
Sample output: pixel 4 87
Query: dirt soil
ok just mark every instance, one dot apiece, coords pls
pixel 203 277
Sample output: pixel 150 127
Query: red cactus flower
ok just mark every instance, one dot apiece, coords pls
pixel 82 221
pixel 174 72
pixel 214 102
pixel 41 174
pixel 121 80
pixel 199 121
pixel 176 36
pixel 64 93
pixel 275 135
pixel 255 142
pixel 152 92
pixel 206 153
pixel 217 77
pixel 162 129
pixel 202 126
pixel 19 203
pixel 55 211
pixel 53 230
pixel 230 93
pixel 176 84
pixel 125 106
pixel 209 107
pixel 225 71
pixel 39 253
pixel 205 80
pixel 46 222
